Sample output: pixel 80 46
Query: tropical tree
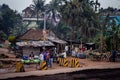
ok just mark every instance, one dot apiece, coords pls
pixel 80 16
pixel 52 10
pixel 104 22
pixel 109 31
pixel 61 27
pixel 95 4
pixel 3 36
pixel 114 36
pixel 9 19
pixel 39 8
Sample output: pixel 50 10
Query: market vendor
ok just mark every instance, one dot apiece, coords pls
pixel 31 56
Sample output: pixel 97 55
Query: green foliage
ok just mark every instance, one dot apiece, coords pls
pixel 39 9
pixel 64 29
pixel 118 31
pixel 109 43
pixel 96 40
pixel 110 32
pixel 80 16
pixel 3 36
pixel 39 5
pixel 9 19
pixel 11 39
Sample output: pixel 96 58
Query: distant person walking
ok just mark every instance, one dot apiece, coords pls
pixel 47 57
pixel 51 59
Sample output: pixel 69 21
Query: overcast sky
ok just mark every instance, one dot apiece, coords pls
pixel 19 5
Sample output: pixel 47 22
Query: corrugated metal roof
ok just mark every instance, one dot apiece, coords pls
pixel 35 43
pixel 38 35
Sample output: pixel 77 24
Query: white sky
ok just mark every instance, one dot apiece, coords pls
pixel 19 5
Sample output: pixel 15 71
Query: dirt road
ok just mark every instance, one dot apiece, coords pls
pixel 91 74
pixel 56 73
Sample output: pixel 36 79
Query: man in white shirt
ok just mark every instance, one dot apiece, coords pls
pixel 64 54
pixel 41 57
pixel 66 49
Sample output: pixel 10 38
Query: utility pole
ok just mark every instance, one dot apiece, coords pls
pixel 44 21
pixel 44 30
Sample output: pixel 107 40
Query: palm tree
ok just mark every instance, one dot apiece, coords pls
pixel 52 13
pixel 79 15
pixel 39 7
pixel 115 35
pixel 52 10
pixel 61 27
pixel 103 29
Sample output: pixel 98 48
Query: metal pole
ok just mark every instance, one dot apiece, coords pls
pixel 44 30
pixel 44 22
